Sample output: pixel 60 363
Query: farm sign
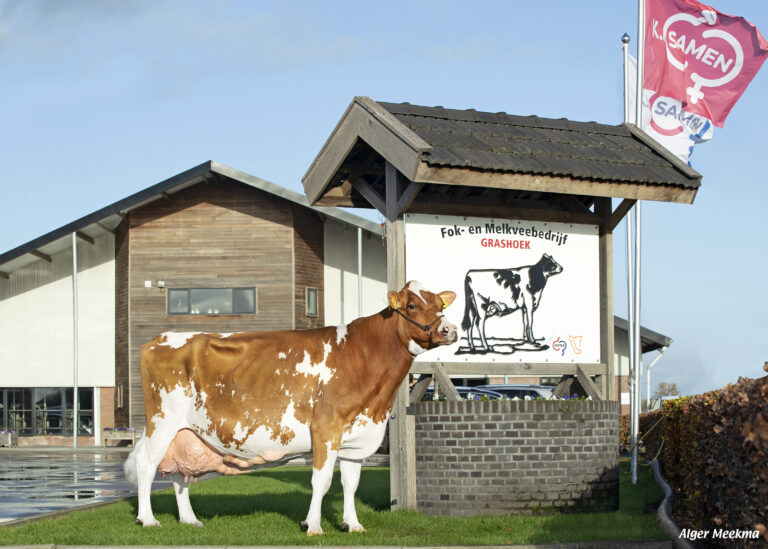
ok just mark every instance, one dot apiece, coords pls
pixel 527 291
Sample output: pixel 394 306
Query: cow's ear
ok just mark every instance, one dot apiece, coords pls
pixel 394 300
pixel 447 298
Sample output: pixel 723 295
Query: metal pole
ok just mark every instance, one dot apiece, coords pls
pixel 74 339
pixel 359 272
pixel 625 54
pixel 638 345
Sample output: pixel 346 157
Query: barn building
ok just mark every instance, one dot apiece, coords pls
pixel 210 249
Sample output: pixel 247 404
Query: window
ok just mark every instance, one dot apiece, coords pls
pixel 211 301
pixel 310 299
pixel 46 411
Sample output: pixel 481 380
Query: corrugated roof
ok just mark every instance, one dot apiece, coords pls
pixel 541 146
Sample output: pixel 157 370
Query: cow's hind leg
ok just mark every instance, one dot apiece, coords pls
pixel 350 478
pixel 152 453
pixel 322 474
pixel 181 489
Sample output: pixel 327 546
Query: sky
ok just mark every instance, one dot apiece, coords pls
pixel 100 99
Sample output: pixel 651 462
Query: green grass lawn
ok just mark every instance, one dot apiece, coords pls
pixel 265 508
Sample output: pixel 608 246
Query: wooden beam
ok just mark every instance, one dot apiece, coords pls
pixel 402 441
pixel 83 236
pixel 392 190
pixel 445 382
pixel 381 130
pixel 553 184
pixel 619 213
pixel 41 255
pixel 4 275
pixel 420 389
pixel 165 195
pixel 604 209
pixel 589 386
pixel 408 196
pixel 563 386
pixel 463 209
pixel 370 194
pixel 512 369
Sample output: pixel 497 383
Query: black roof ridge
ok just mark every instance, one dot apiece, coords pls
pixel 562 123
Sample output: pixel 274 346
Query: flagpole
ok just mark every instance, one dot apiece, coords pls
pixel 630 281
pixel 637 346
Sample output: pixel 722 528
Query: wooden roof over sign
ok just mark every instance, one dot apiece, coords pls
pixel 471 162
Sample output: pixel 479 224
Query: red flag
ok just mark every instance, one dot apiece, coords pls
pixel 697 55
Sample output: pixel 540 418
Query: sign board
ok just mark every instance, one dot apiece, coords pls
pixel 526 291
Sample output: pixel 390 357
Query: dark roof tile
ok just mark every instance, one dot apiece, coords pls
pixel 534 145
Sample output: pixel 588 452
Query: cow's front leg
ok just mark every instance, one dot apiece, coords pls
pixel 350 478
pixel 322 474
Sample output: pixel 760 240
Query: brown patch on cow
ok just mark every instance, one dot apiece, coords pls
pixel 251 378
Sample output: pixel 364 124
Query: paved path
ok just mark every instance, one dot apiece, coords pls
pixel 36 481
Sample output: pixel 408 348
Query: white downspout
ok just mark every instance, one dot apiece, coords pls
pixel 648 377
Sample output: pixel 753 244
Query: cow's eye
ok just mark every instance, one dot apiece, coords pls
pixel 411 306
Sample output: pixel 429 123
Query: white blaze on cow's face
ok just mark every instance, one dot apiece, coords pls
pixel 428 326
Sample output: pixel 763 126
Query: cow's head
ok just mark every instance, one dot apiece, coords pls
pixel 549 266
pixel 422 322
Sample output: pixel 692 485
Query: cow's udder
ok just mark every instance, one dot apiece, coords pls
pixel 189 455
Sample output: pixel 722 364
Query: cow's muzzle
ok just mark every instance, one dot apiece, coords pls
pixel 449 332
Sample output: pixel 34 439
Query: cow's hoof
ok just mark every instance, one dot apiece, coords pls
pixel 310 531
pixel 195 523
pixel 148 522
pixel 345 527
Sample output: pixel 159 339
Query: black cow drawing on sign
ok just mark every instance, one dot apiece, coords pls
pixel 499 292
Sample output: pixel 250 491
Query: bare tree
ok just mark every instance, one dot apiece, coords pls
pixel 666 389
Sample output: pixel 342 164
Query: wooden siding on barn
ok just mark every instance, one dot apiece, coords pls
pixel 308 260
pixel 218 234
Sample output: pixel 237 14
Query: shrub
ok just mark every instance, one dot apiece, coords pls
pixel 715 456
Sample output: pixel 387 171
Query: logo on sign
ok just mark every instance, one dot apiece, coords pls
pixel 714 56
pixel 559 345
pixel 575 344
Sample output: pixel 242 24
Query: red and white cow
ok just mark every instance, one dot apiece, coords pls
pixel 230 403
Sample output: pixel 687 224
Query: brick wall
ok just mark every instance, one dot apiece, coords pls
pixel 515 457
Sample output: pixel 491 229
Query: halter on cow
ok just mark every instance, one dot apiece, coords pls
pixel 231 403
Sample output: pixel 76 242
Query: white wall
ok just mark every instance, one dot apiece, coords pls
pixel 621 352
pixel 340 285
pixel 36 320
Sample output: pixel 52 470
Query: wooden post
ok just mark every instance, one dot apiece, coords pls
pixel 402 458
pixel 603 208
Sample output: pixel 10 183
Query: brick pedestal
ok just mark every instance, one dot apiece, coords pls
pixel 514 457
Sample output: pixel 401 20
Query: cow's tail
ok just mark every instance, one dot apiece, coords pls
pixel 469 304
pixel 140 451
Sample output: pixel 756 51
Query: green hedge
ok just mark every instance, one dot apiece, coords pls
pixel 715 457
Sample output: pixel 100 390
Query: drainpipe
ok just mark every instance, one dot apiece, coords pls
pixel 648 378
pixel 359 272
pixel 74 338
